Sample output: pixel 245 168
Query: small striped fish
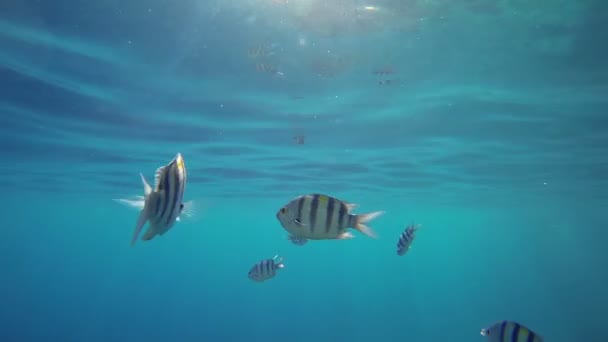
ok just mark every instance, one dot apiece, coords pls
pixel 508 331
pixel 320 217
pixel 163 204
pixel 268 69
pixel 261 50
pixel 406 238
pixel 265 269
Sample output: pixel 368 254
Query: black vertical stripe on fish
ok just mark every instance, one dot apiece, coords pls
pixel 503 328
pixel 515 333
pixel 330 213
pixel 155 214
pixel 157 205
pixel 268 267
pixel 531 336
pixel 402 240
pixel 342 216
pixel 300 206
pixel 161 201
pixel 165 187
pixel 176 191
pixel 171 189
pixel 314 207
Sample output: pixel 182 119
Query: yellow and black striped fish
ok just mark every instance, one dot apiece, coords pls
pixel 509 331
pixel 163 204
pixel 320 217
pixel 265 269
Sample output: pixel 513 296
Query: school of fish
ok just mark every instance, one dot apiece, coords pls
pixel 305 217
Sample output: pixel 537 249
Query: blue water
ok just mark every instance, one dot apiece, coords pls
pixel 491 134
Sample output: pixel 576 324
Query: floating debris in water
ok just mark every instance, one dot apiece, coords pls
pixel 299 139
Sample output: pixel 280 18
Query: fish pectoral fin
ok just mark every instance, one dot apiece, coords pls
pixel 298 222
pixel 297 240
pixel 345 236
pixel 187 209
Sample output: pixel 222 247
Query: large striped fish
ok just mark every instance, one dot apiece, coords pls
pixel 509 331
pixel 265 269
pixel 320 217
pixel 162 205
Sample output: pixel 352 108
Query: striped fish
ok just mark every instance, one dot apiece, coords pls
pixel 509 331
pixel 267 68
pixel 162 205
pixel 266 269
pixel 321 217
pixel 261 50
pixel 406 238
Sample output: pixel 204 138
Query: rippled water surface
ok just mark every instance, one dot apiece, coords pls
pixel 483 120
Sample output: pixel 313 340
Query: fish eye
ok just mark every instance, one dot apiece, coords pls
pixel 283 210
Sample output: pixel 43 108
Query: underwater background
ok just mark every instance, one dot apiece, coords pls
pixel 483 121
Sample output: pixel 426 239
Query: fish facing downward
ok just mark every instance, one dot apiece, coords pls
pixel 510 331
pixel 321 217
pixel 406 238
pixel 163 204
pixel 265 269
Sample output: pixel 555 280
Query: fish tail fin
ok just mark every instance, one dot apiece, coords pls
pixel 360 220
pixel 278 261
pixel 141 221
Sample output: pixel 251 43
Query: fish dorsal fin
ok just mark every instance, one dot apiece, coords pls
pixel 147 188
pixel 159 173
pixel 350 206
